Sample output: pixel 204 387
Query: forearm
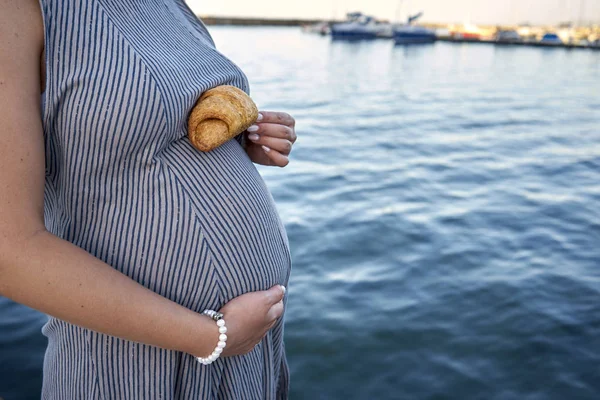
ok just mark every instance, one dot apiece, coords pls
pixel 62 280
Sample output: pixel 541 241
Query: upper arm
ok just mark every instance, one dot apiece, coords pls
pixel 22 162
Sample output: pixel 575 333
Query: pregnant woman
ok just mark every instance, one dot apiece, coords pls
pixel 131 233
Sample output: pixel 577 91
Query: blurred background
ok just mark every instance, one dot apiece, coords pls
pixel 442 201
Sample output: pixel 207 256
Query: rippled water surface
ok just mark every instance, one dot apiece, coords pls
pixel 443 209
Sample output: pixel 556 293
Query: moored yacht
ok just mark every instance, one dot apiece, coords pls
pixel 413 34
pixel 507 36
pixel 357 26
pixel 551 39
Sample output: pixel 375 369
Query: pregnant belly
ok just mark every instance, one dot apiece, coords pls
pixel 197 228
pixel 228 225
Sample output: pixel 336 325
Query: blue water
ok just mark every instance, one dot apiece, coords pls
pixel 443 209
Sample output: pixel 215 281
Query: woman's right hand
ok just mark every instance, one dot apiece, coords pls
pixel 249 317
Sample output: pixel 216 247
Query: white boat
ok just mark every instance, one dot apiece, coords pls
pixel 551 39
pixel 357 26
pixel 385 30
pixel 508 36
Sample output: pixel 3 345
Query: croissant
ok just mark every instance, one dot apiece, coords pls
pixel 219 115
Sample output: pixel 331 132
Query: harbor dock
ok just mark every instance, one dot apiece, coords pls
pixel 450 38
pixel 569 46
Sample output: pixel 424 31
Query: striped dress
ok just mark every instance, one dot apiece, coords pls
pixel 124 183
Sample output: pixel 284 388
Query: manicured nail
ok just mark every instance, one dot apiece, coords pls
pixel 260 117
pixel 253 136
pixel 283 288
pixel 253 128
pixel 265 148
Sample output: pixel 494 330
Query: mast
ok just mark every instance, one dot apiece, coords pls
pixel 513 18
pixel 399 10
pixel 334 9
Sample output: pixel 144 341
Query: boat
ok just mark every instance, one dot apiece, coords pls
pixel 468 33
pixel 413 34
pixel 467 36
pixel 385 30
pixel 357 26
pixel 507 36
pixel 551 39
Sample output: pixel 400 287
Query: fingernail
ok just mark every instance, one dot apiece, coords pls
pixel 260 117
pixel 253 128
pixel 283 288
pixel 265 148
pixel 253 136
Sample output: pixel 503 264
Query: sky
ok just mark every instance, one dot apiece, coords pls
pixel 458 11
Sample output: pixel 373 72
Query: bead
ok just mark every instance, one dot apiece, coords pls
pixel 217 317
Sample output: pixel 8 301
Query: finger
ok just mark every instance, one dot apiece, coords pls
pixel 281 145
pixel 274 130
pixel 275 312
pixel 275 294
pixel 276 118
pixel 277 159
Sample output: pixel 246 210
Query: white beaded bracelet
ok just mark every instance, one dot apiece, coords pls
pixel 218 317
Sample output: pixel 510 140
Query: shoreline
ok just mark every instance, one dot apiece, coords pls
pixel 568 46
pixel 282 22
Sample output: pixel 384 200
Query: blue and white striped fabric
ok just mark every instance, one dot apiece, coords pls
pixel 124 183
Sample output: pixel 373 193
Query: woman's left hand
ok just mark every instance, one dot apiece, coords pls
pixel 271 138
